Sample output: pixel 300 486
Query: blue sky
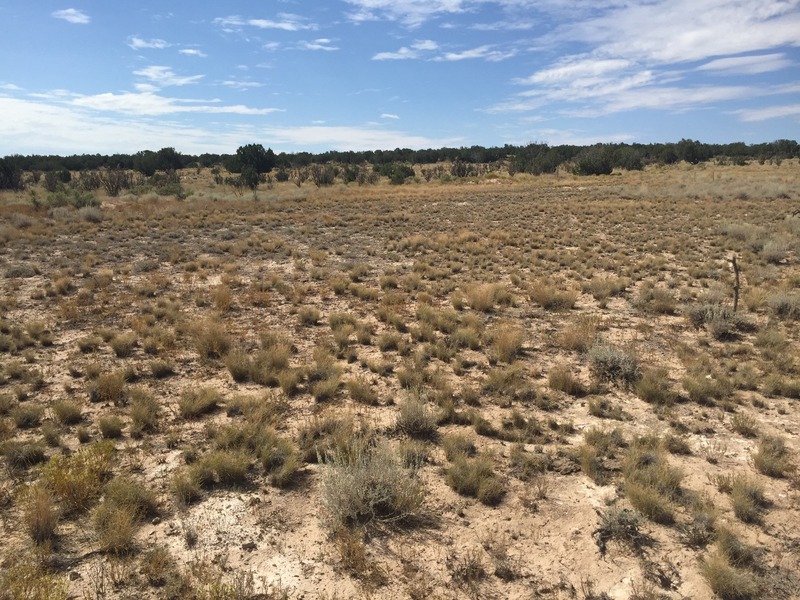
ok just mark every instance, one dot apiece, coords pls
pixel 105 77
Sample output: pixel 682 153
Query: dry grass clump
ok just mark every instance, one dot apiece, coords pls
pixel 22 455
pixel 144 412
pixel 655 387
pixel 619 525
pixel 109 387
pixel 195 402
pixel 651 483
pixel 727 580
pixel 364 485
pixel 415 419
pixel 655 300
pixel 39 513
pixel 475 477
pixel 27 416
pixel 66 412
pixel 484 296
pixel 604 287
pixel 324 436
pixel 719 319
pixel 77 480
pixel 506 342
pixel 211 340
pixel 456 444
pixel 123 344
pixel 110 426
pixel 362 391
pixel 562 379
pixel 547 295
pixel 772 458
pixel 785 305
pixel 578 335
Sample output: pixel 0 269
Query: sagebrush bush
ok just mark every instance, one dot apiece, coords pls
pixel 614 365
pixel 368 485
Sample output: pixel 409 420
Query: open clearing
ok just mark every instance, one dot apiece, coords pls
pixel 527 388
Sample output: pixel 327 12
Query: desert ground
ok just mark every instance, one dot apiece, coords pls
pixel 531 387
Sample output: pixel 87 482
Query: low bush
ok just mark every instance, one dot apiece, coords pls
pixel 367 485
pixel 615 365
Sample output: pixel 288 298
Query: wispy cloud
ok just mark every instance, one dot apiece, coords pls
pixel 72 129
pixel 165 76
pixel 747 65
pixel 411 13
pixel 352 138
pixel 149 104
pixel 638 55
pixel 72 15
pixel 193 52
pixel 283 22
pixel 770 112
pixel 389 116
pixel 241 85
pixel 138 43
pixel 319 44
pixel 416 50
pixel 486 52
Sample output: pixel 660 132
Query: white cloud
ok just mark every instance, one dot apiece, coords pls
pixel 138 43
pixel 318 44
pixel 10 87
pixel 389 116
pixel 575 67
pixel 193 52
pixel 635 55
pixel 150 104
pixel 485 52
pixel 747 65
pixel 416 50
pixel 673 31
pixel 770 112
pixel 241 85
pixel 72 15
pixel 284 22
pixel 164 76
pixel 411 13
pixel 351 138
pixel 74 130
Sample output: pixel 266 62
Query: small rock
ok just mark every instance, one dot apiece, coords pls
pixel 74 576
pixel 156 521
pixel 249 546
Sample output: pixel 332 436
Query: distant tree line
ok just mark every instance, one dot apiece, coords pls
pixel 252 162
